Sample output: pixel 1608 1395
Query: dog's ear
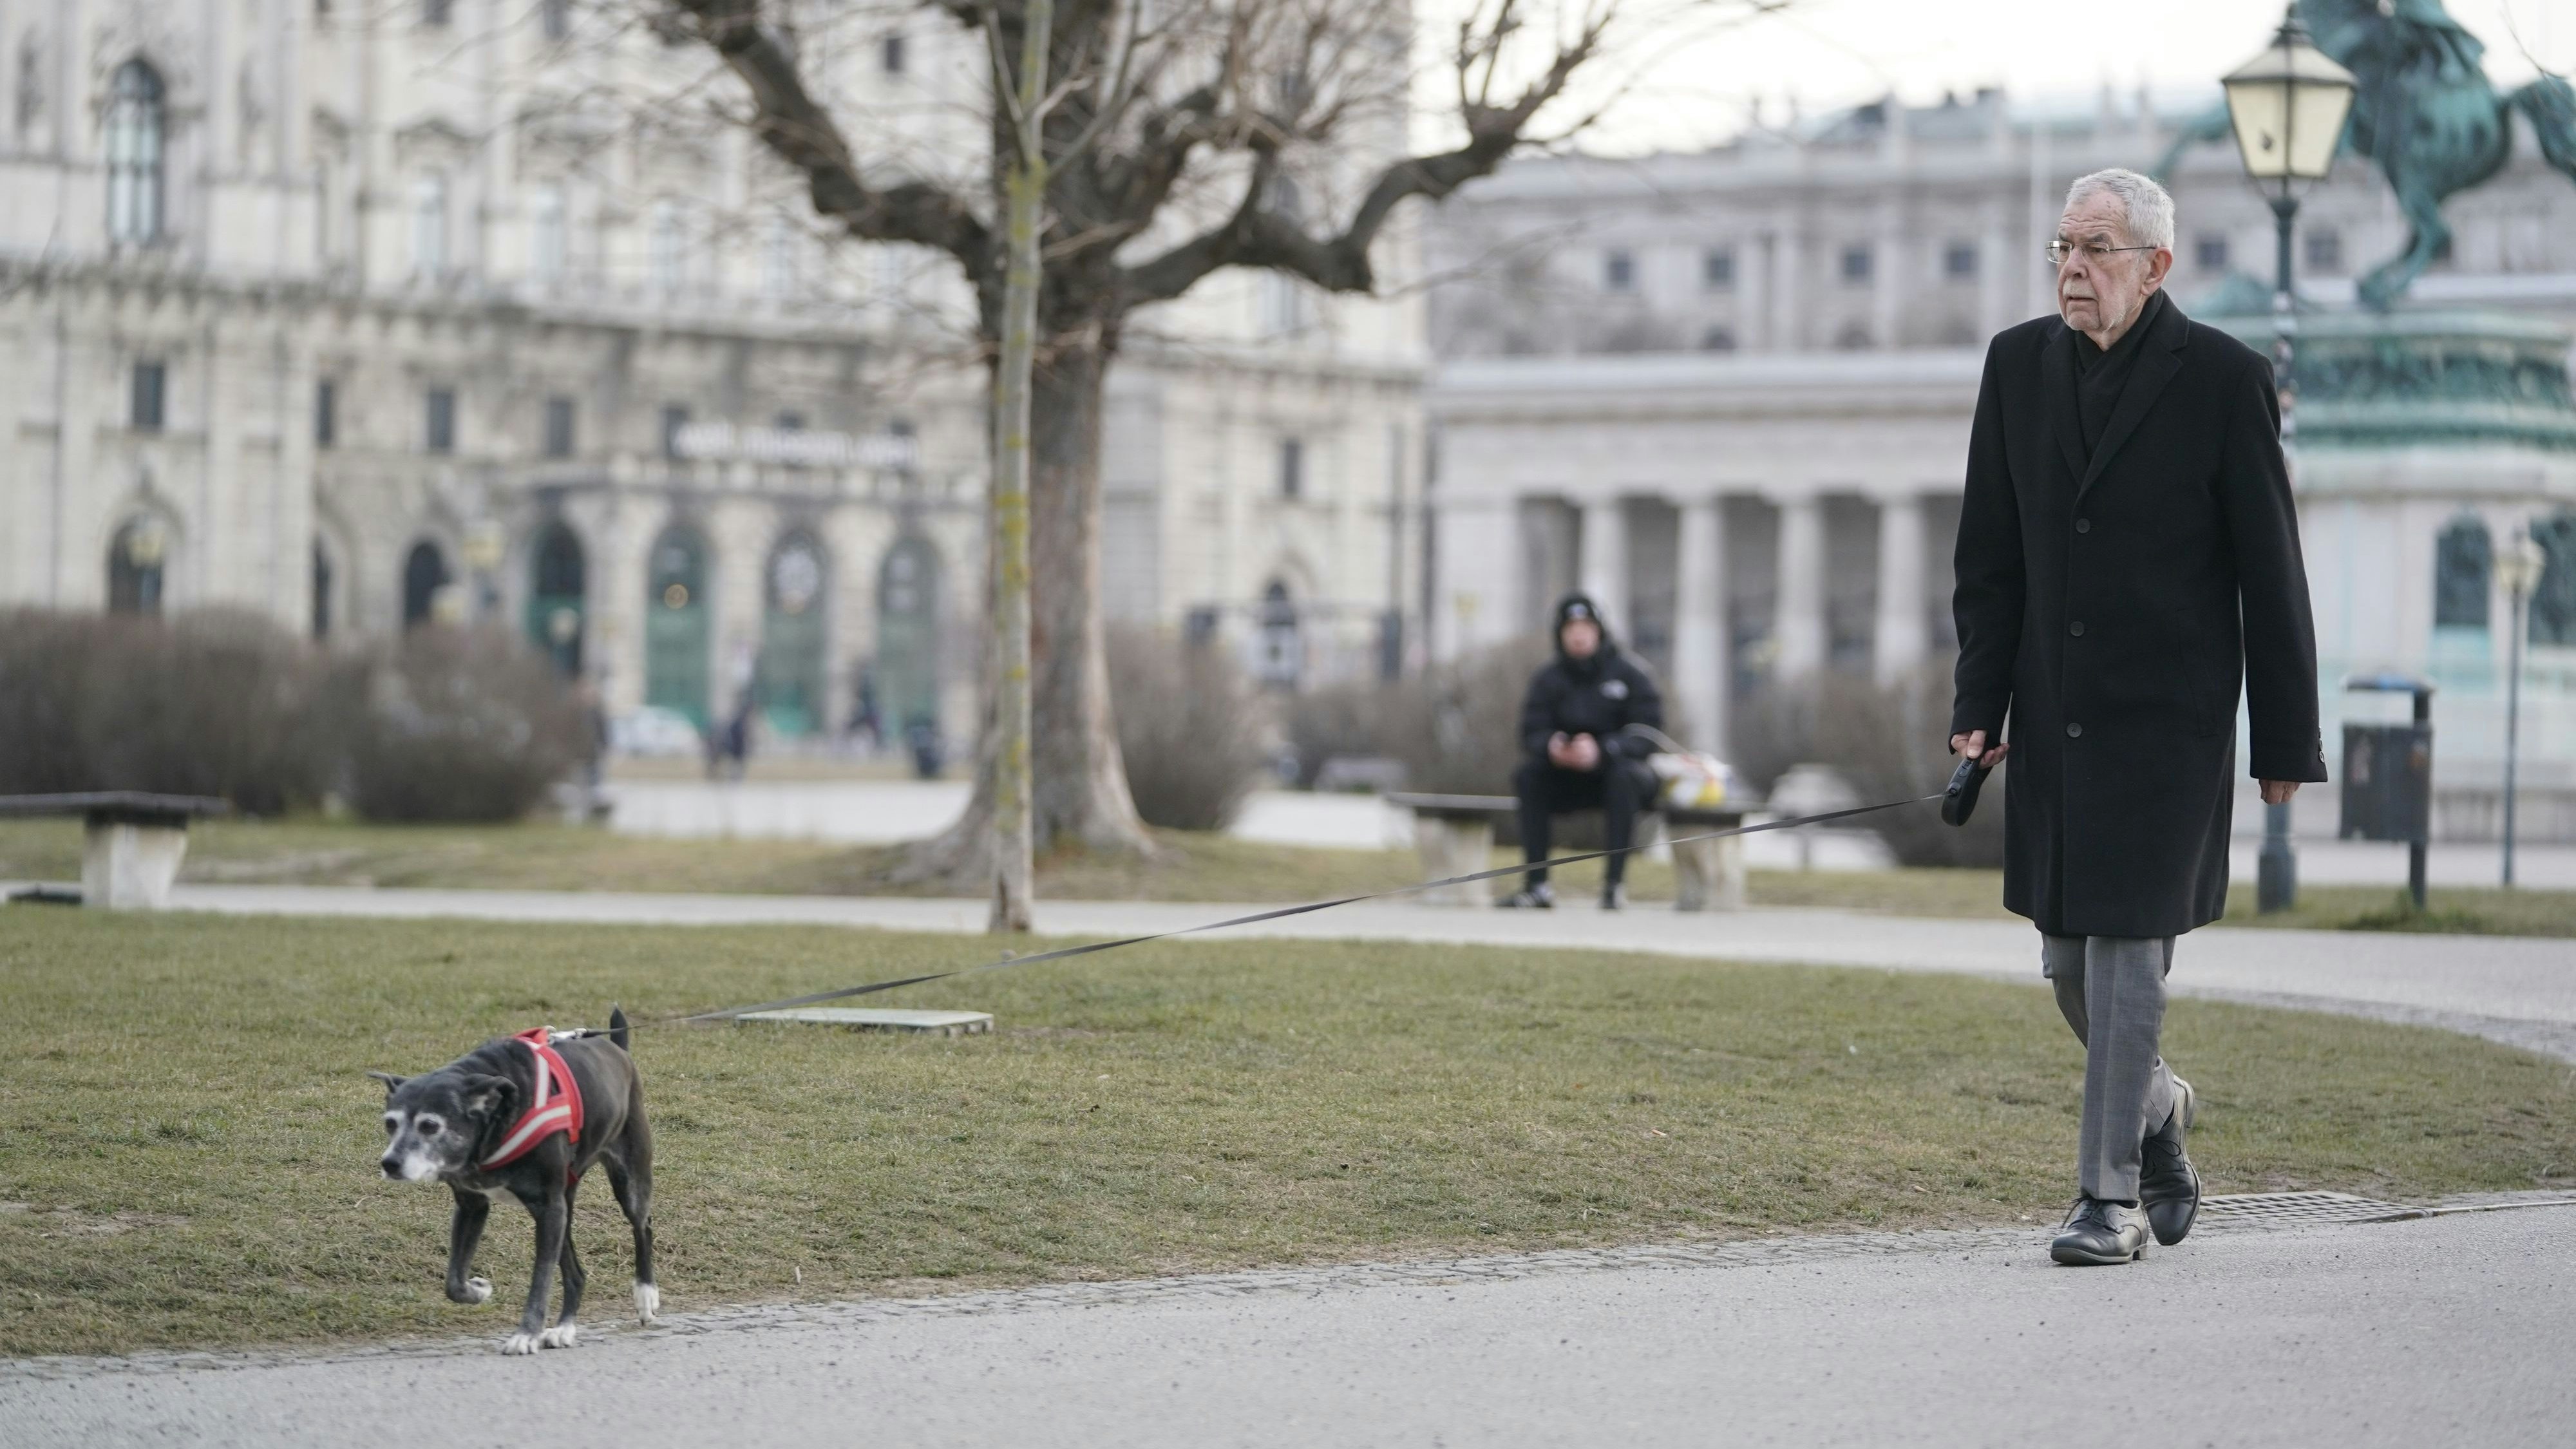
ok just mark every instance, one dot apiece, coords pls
pixel 489 1097
pixel 391 1081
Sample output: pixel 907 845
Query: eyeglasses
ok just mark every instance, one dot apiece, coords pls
pixel 2060 249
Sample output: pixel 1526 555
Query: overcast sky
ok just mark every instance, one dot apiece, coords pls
pixel 1831 53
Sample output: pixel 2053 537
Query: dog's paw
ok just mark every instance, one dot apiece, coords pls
pixel 648 1303
pixel 519 1343
pixel 476 1290
pixel 562 1335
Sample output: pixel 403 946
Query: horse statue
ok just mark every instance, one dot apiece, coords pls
pixel 2424 111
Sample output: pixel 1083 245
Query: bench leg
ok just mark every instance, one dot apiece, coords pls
pixel 1708 875
pixel 128 867
pixel 1455 847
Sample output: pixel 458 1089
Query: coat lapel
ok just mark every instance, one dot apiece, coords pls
pixel 2157 364
pixel 2057 385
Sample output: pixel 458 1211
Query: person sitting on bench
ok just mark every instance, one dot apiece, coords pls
pixel 1578 752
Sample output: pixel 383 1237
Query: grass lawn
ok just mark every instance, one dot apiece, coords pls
pixel 187 1147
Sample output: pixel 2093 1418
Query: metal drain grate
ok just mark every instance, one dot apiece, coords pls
pixel 2297 1209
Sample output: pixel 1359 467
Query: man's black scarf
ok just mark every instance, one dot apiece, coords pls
pixel 2101 376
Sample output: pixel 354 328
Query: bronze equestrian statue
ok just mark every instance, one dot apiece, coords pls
pixel 2424 111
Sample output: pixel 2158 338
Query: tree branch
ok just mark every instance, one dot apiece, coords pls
pixel 801 133
pixel 1257 235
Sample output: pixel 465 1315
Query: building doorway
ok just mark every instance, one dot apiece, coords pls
pixel 134 559
pixel 907 669
pixel 677 625
pixel 787 683
pixel 425 575
pixel 557 594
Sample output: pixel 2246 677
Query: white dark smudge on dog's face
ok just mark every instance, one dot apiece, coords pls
pixel 434 1124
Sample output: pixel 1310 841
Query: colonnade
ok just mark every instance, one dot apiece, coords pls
pixel 1802 635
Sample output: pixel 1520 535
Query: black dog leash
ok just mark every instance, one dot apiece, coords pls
pixel 1062 953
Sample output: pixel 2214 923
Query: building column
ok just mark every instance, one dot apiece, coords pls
pixel 1604 569
pixel 1699 623
pixel 1904 634
pixel 1799 632
pixel 1753 272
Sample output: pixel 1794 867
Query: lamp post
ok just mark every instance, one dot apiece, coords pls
pixel 2518 568
pixel 485 546
pixel 2287 106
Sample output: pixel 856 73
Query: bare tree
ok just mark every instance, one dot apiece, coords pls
pixel 1165 132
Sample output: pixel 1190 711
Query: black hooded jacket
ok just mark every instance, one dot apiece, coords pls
pixel 1600 696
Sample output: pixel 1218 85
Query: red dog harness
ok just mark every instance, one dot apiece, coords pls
pixel 555 1107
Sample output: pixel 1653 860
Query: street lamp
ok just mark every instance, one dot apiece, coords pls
pixel 2518 568
pixel 2287 106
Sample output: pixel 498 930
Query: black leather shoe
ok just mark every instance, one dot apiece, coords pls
pixel 1540 897
pixel 2168 1185
pixel 2100 1233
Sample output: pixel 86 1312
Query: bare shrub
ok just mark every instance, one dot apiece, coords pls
pixel 1188 726
pixel 44 669
pixel 210 702
pixel 453 724
pixel 1339 719
pixel 1456 727
pixel 1889 742
pixel 1459 733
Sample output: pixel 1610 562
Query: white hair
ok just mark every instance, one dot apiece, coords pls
pixel 2149 207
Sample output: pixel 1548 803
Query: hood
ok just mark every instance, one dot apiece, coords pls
pixel 1579 605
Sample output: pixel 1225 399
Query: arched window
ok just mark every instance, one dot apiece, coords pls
pixel 558 592
pixel 1282 656
pixel 2461 560
pixel 135 117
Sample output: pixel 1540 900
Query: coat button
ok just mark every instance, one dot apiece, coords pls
pixel 2084 525
pixel 2074 731
pixel 2076 628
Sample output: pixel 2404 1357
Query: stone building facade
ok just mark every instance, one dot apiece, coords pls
pixel 357 314
pixel 1730 393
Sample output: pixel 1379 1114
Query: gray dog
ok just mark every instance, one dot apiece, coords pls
pixel 525 1116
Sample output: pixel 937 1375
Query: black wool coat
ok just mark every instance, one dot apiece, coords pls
pixel 2112 605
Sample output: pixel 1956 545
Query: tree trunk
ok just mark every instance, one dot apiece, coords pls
pixel 1080 784
pixel 1014 863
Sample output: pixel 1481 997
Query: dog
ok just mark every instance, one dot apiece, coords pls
pixel 525 1116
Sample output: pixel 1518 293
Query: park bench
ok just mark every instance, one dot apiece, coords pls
pixel 134 843
pixel 1454 835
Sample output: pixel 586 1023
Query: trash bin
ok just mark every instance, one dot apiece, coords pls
pixel 2388 775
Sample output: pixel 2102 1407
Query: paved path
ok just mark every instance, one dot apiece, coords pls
pixel 2516 989
pixel 879 812
pixel 2448 1331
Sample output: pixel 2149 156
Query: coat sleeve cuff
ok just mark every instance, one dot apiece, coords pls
pixel 2299 763
pixel 1970 715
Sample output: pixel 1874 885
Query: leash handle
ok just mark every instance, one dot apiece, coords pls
pixel 1959 797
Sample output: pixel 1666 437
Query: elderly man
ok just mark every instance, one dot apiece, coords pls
pixel 2128 556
